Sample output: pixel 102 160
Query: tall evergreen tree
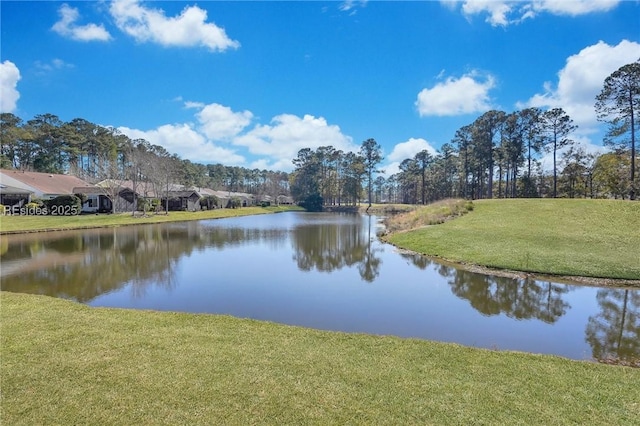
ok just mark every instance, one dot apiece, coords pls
pixel 556 126
pixel 463 141
pixel 618 104
pixel 485 131
pixel 423 160
pixel 371 152
pixel 531 134
pixel 11 135
pixel 304 179
pixel 49 156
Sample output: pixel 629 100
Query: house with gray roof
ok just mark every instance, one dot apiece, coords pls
pixel 14 196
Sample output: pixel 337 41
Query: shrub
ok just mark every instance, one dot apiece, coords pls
pixel 235 202
pixel 33 209
pixel 38 202
pixel 83 197
pixel 313 203
pixel 156 205
pixel 143 204
pixel 2 209
pixel 64 205
pixel 209 202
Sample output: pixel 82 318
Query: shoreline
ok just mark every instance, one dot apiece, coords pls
pixel 152 219
pixel 480 269
pixel 538 276
pixel 424 218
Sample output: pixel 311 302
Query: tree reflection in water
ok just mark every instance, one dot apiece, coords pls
pixel 326 247
pixel 522 298
pixel 82 265
pixel 85 265
pixel 614 333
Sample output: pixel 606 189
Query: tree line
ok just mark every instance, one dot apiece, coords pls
pixel 496 156
pixel 97 153
pixel 328 176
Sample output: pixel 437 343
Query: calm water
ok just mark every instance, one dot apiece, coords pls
pixel 320 270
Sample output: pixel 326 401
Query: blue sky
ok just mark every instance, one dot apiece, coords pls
pixel 251 83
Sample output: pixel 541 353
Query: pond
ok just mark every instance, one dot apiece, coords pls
pixel 321 270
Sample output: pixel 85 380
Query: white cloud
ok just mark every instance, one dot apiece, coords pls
pixel 67 27
pixel 47 67
pixel 582 79
pixel 351 5
pixel 497 10
pixel 185 141
pixel 503 13
pixel 263 164
pixel 188 29
pixel 456 96
pixel 9 95
pixel 410 148
pixel 191 104
pixel 219 122
pixel 287 134
pixel 272 146
pixel 574 7
pixel 405 150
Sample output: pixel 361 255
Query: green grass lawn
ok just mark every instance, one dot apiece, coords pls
pixel 41 223
pixel 66 363
pixel 591 238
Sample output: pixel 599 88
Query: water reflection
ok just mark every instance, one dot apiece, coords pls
pixel 521 298
pixel 326 246
pixel 82 266
pixel 308 269
pixel 614 333
pixel 518 298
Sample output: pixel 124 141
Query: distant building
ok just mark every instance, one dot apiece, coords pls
pixel 19 187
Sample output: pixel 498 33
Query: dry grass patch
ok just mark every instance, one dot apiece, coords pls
pixel 432 214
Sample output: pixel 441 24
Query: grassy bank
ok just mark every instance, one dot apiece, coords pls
pixel 10 224
pixel 590 238
pixel 66 363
